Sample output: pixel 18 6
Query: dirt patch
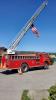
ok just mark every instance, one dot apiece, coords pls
pixel 38 94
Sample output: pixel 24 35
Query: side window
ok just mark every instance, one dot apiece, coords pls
pixel 31 57
pixel 26 57
pixel 18 57
pixel 12 57
pixel 34 57
pixel 15 57
pixel 21 57
pixel 9 57
pixel 38 58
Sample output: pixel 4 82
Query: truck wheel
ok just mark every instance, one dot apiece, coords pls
pixel 24 67
pixel 20 70
pixel 46 65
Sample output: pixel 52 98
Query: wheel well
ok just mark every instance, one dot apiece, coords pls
pixel 24 68
pixel 24 63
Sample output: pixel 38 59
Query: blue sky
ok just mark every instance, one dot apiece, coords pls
pixel 13 16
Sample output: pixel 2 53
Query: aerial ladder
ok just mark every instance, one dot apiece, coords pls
pixel 22 32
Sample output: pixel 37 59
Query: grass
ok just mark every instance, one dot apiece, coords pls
pixel 25 96
pixel 52 92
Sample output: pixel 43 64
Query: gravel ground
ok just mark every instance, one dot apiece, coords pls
pixel 12 84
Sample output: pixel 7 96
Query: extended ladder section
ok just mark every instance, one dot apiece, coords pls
pixel 23 31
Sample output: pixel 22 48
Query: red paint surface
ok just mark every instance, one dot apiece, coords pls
pixel 3 60
pixel 16 63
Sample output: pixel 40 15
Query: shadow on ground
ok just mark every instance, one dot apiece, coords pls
pixel 9 72
pixel 36 68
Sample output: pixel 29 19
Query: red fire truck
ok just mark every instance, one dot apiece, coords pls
pixel 26 61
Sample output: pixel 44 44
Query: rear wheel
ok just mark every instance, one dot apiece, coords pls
pixel 24 67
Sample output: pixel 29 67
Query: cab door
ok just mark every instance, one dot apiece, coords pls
pixel 38 60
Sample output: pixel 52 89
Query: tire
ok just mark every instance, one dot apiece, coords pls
pixel 46 65
pixel 24 67
pixel 20 71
